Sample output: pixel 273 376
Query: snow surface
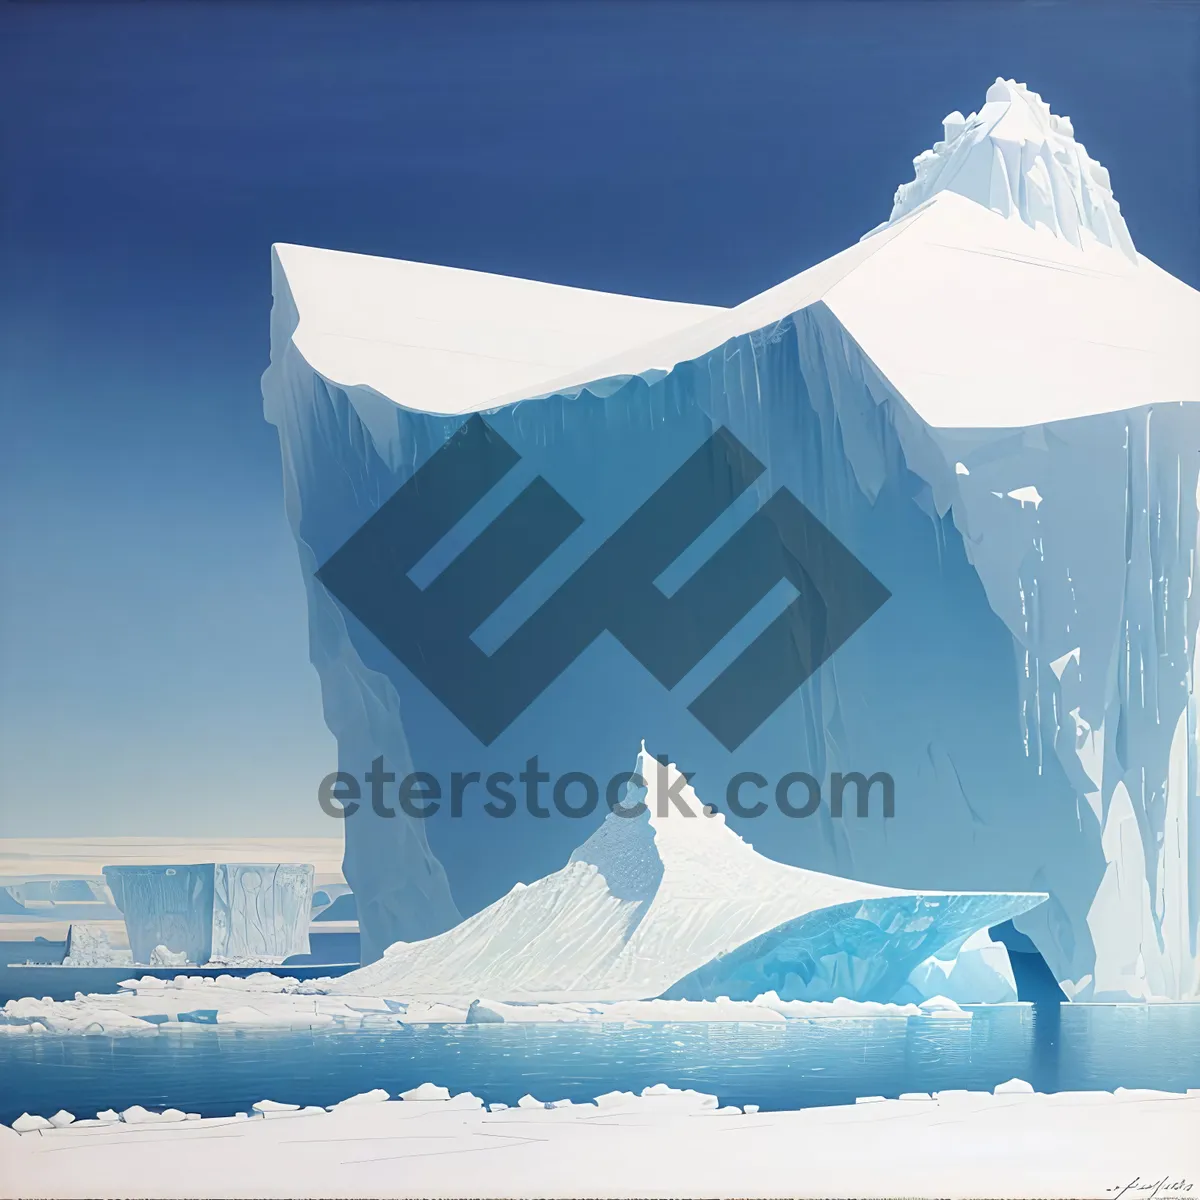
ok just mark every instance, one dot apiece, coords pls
pixel 996 416
pixel 663 1142
pixel 977 321
pixel 648 904
pixel 441 339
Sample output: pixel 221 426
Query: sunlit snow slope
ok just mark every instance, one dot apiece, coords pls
pixel 664 894
pixel 990 400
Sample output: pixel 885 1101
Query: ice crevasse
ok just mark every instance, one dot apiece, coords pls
pixel 989 399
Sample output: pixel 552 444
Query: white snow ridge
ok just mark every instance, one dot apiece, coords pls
pixel 673 901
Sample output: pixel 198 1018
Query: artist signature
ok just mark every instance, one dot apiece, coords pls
pixel 1147 1189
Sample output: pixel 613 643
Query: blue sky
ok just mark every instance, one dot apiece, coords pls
pixel 154 672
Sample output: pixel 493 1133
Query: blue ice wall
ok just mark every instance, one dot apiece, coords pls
pixel 956 687
pixel 165 906
pixel 261 910
pixel 863 951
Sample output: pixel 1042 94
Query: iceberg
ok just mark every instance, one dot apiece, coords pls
pixel 261 911
pixel 214 912
pixel 91 945
pixel 989 401
pixel 672 903
pixel 167 906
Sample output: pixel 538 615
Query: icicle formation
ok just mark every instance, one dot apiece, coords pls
pixel 1020 160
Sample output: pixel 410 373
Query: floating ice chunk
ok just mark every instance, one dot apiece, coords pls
pixel 137 1115
pixel 942 1006
pixel 421 1013
pixel 108 1020
pixel 28 1123
pixel 528 1101
pixel 483 1012
pixel 687 1097
pixel 164 956
pixel 245 1015
pixel 614 1099
pixel 374 1096
pixel 62 1119
pixel 497 1107
pixel 841 1007
pixel 1013 1087
pixel 751 1109
pixel 870 1099
pixel 961 469
pixel 108 1115
pixel 90 945
pixel 426 1091
pixel 273 1106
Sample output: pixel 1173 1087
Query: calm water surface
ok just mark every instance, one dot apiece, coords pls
pixel 214 1071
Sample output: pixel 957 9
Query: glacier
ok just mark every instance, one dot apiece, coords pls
pixel 989 400
pixel 672 903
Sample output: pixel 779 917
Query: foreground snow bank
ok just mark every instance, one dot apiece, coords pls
pixel 148 1005
pixel 663 1142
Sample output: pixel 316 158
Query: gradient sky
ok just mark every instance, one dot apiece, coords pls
pixel 154 673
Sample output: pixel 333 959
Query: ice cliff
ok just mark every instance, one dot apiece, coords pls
pixel 990 400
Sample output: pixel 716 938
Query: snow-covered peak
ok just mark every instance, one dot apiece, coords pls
pixel 1022 161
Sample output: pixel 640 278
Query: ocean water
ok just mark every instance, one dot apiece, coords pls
pixel 214 1071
